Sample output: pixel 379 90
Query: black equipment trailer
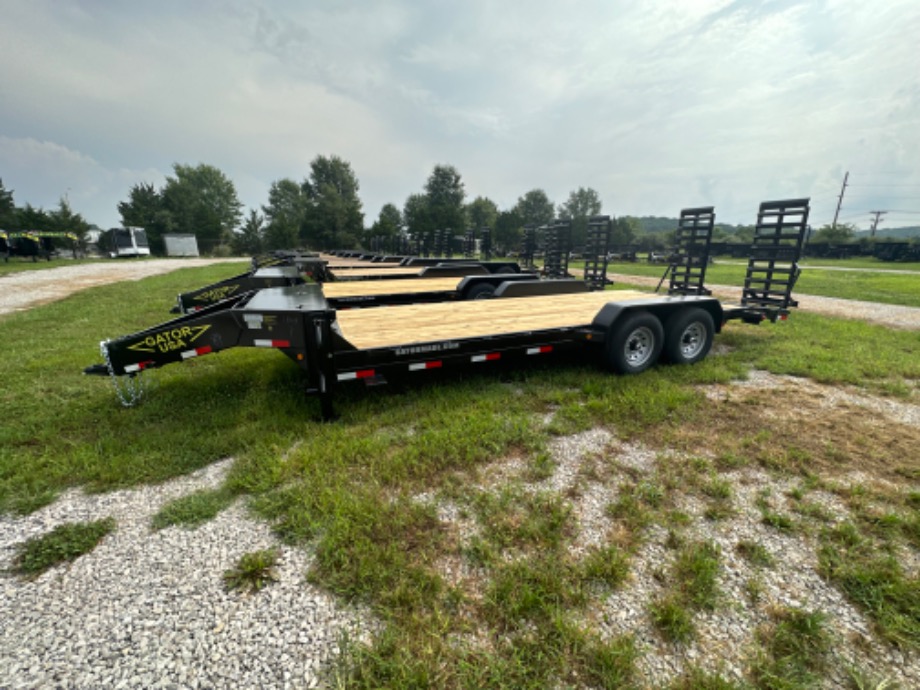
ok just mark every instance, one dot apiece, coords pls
pixel 430 284
pixel 629 330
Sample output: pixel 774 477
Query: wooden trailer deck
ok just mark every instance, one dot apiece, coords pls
pixel 361 271
pixel 389 287
pixel 420 323
pixel 353 264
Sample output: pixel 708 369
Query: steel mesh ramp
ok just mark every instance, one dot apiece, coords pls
pixel 597 249
pixel 688 261
pixel 773 267
pixel 558 239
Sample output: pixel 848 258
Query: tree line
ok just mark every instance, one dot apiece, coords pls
pixel 324 210
pixel 61 219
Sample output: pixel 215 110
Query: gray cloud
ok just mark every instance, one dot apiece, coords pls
pixel 656 105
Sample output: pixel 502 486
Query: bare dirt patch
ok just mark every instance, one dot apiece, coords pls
pixel 789 423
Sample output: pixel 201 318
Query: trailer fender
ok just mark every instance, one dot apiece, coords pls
pixel 530 288
pixel 663 309
pixel 483 286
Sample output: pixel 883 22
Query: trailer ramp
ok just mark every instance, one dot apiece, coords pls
pixel 773 268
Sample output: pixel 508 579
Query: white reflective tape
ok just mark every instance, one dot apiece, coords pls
pixel 478 358
pixel 132 368
pixel 417 367
pixel 262 343
pixel 189 353
pixel 349 376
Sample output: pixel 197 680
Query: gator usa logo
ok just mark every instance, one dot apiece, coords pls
pixel 169 340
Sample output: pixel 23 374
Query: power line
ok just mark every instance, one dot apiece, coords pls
pixel 886 185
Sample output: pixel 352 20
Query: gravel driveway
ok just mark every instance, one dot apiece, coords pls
pixel 26 289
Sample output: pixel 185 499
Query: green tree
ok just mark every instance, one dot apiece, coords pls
pixel 506 235
pixel 417 219
pixel 744 234
pixel 534 208
pixel 482 213
pixel 248 240
pixel 334 216
pixel 580 206
pixel 31 218
pixel 285 215
pixel 65 220
pixel 7 207
pixel 839 234
pixel 445 194
pixel 202 201
pixel 145 209
pixel 388 224
pixel 625 230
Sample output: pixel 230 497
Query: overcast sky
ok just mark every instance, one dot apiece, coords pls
pixel 657 105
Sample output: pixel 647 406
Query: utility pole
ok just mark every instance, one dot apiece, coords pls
pixel 840 199
pixel 876 221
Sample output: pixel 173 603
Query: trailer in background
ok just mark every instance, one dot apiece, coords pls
pixel 127 242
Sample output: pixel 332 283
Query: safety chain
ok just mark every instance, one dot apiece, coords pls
pixel 129 390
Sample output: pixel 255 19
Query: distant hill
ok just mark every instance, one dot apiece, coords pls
pixel 892 233
pixel 658 224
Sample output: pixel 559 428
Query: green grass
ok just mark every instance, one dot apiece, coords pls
pixel 692 585
pixel 792 651
pixel 858 563
pixel 756 554
pixel 192 510
pixel 64 544
pixel 348 491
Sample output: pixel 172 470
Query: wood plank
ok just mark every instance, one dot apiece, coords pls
pixel 346 273
pixel 388 287
pixel 355 264
pixel 421 323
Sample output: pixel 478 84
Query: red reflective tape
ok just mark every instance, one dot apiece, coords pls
pixel 364 373
pixel 206 350
pixel 542 350
pixel 419 366
pixel 281 343
pixel 493 356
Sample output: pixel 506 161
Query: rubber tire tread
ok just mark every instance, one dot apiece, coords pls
pixel 614 357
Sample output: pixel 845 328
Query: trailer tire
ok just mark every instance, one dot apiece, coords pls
pixel 481 291
pixel 635 343
pixel 688 336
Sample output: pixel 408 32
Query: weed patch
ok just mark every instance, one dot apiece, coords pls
pixel 192 510
pixel 253 572
pixel 64 544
